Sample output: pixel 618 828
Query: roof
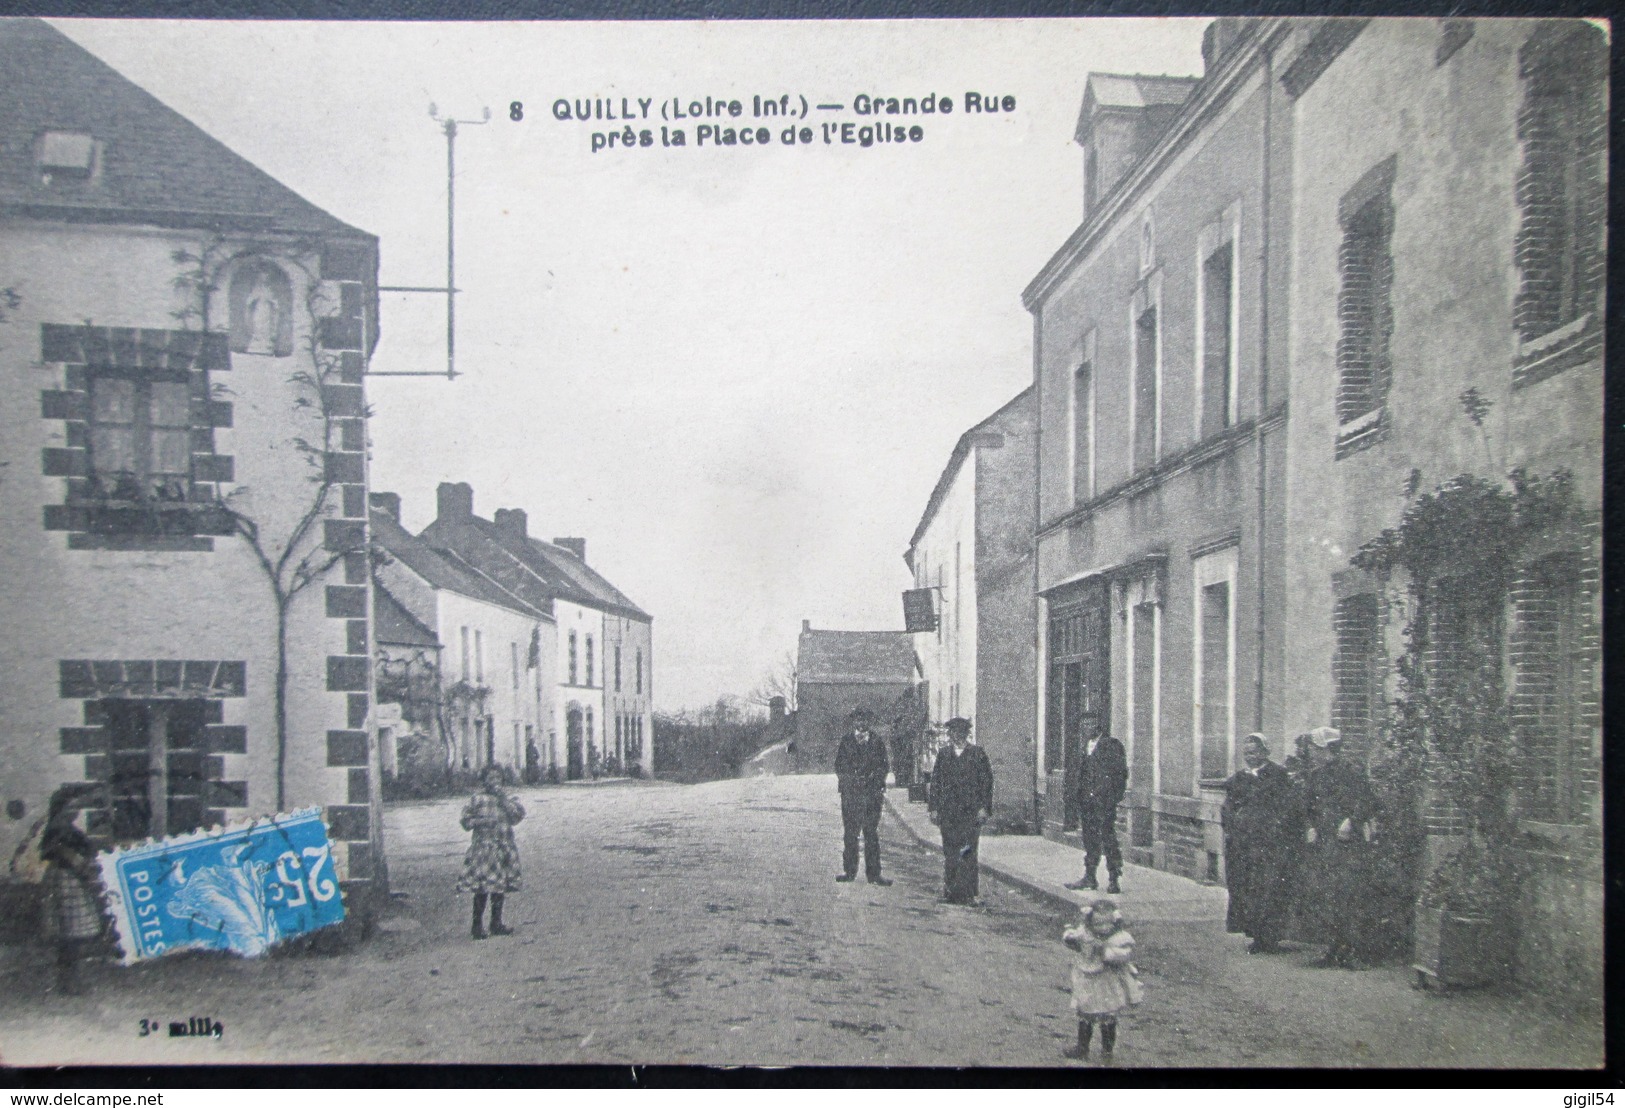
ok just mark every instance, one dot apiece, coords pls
pixel 156 166
pixel 955 460
pixel 393 625
pixel 540 572
pixel 855 657
pixel 445 569
pixel 1136 90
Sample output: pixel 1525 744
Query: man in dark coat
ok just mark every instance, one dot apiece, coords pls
pixel 1342 810
pixel 1263 825
pixel 961 801
pixel 1102 777
pixel 860 773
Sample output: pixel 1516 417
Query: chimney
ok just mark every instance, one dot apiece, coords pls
pixel 1220 38
pixel 806 625
pixel 387 502
pixel 578 547
pixel 454 503
pixel 512 523
pixel 776 709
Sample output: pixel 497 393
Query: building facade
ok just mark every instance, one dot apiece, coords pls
pixel 496 651
pixel 1160 438
pixel 1447 301
pixel 973 548
pixel 187 346
pixel 838 672
pixel 603 704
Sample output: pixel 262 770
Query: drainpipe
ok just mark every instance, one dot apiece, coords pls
pixel 1042 682
pixel 1263 376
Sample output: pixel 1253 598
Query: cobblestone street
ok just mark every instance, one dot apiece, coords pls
pixel 664 923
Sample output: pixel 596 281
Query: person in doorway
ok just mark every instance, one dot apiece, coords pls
pixel 1342 812
pixel 73 900
pixel 961 801
pixel 860 775
pixel 1104 980
pixel 533 762
pixel 1102 778
pixel 491 867
pixel 1262 819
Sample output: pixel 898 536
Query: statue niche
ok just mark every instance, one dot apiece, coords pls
pixel 261 299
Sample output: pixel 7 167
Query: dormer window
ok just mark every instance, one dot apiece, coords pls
pixel 67 155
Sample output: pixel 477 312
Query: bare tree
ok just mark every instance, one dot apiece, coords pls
pixel 293 561
pixel 779 680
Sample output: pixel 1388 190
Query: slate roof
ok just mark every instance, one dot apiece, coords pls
pixel 955 460
pixel 855 657
pixel 446 569
pixel 157 166
pixel 537 571
pixel 393 625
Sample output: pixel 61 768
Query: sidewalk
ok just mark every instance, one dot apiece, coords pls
pixel 1043 867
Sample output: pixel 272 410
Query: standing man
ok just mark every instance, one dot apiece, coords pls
pixel 961 801
pixel 1342 824
pixel 1102 777
pixel 1263 821
pixel 860 773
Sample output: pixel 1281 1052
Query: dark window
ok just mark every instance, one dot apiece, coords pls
pixel 140 438
pixel 589 661
pixel 1145 389
pixel 572 657
pixel 640 673
pixel 1143 739
pixel 1218 289
pixel 1083 387
pixel 617 667
pixel 1364 308
pixel 155 767
pixel 1561 194
pixel 1215 680
pixel 1356 671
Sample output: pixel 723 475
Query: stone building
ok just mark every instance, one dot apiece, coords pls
pixel 604 699
pixel 1447 258
pixel 840 671
pixel 1160 440
pixel 973 549
pixel 187 346
pixel 496 651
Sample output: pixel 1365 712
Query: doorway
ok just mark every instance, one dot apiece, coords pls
pixel 574 755
pixel 155 766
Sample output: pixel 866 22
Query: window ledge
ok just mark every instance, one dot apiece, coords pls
pixel 1362 432
pixel 1546 355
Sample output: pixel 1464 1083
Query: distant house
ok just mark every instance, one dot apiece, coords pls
pixel 973 549
pixel 603 706
pixel 189 348
pixel 839 671
pixel 495 695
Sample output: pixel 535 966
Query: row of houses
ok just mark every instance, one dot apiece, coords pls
pixel 208 618
pixel 499 648
pixel 1354 261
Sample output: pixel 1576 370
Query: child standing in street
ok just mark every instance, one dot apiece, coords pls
pixel 73 899
pixel 1104 980
pixel 491 867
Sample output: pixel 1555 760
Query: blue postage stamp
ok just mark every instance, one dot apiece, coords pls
pixel 243 888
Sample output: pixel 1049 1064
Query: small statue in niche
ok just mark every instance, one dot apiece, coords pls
pixel 264 315
pixel 261 301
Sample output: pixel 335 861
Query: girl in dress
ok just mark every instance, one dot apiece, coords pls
pixel 73 892
pixel 491 867
pixel 1104 980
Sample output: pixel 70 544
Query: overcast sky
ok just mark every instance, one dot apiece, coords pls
pixel 737 371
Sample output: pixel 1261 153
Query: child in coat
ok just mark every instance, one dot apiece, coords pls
pixel 1104 980
pixel 73 896
pixel 491 867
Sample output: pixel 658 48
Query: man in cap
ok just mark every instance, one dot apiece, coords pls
pixel 860 774
pixel 1263 823
pixel 961 801
pixel 1342 812
pixel 1102 778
